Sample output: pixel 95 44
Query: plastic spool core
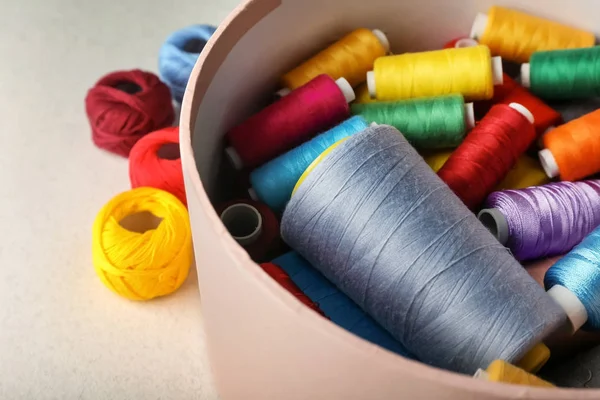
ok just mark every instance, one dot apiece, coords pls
pixel 469 115
pixel 243 222
pixel 479 25
pixel 346 89
pixel 128 87
pixel 234 158
pixel 283 92
pixel 466 42
pixel 194 46
pixel 497 71
pixel 549 163
pixel 481 374
pixel 371 84
pixel 573 307
pixel 526 75
pixel 252 194
pixel 524 111
pixel 382 39
pixel 496 223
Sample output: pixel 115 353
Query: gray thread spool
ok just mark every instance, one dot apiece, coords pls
pixel 377 222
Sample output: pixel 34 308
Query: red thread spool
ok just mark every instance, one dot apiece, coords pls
pixel 155 161
pixel 254 226
pixel 124 106
pixel 281 277
pixel 488 153
pixel 318 105
pixel 511 92
pixel 460 43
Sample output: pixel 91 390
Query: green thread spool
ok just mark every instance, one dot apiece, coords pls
pixel 563 74
pixel 427 123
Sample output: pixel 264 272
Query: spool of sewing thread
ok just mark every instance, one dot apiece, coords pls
pixel 563 74
pixel 572 150
pixel 573 109
pixel 281 277
pixel 369 218
pixel 253 225
pixel 363 96
pixel 543 221
pixel 124 106
pixel 488 153
pixel 336 305
pixel 178 55
pixel 287 123
pixel 350 57
pixel 469 71
pixel 515 36
pixel 460 43
pixel 274 182
pixel 511 92
pixel 427 123
pixel 155 161
pixel 526 172
pixel 535 359
pixel 573 283
pixel 501 371
pixel 142 244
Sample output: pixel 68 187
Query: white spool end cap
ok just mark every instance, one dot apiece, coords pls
pixel 526 75
pixel 466 42
pixel 524 111
pixel 469 115
pixel 371 84
pixel 382 39
pixel 373 124
pixel 549 163
pixel 346 89
pixel 479 25
pixel 482 375
pixel 252 194
pixel 496 223
pixel 234 158
pixel 573 307
pixel 497 71
pixel 243 222
pixel 283 92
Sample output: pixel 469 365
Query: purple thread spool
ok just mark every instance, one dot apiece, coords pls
pixel 543 221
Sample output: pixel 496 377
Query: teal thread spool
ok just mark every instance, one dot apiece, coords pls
pixel 427 123
pixel 563 74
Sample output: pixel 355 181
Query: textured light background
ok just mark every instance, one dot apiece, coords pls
pixel 63 335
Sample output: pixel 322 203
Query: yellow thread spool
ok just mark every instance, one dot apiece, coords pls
pixel 142 246
pixel 527 172
pixel 535 359
pixel 516 36
pixel 501 371
pixel 350 57
pixel 316 162
pixel 470 71
pixel 362 95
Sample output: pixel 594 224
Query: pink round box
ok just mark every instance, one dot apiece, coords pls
pixel 263 343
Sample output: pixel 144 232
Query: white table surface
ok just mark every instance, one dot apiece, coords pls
pixel 63 335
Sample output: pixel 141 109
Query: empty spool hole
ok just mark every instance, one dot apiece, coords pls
pixel 128 87
pixel 169 151
pixel 141 222
pixel 194 45
pixel 243 222
pixel 496 223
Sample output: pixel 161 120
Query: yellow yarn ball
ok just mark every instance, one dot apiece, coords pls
pixel 501 371
pixel 467 71
pixel 141 244
pixel 535 358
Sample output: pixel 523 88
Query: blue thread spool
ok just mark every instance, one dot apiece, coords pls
pixel 381 226
pixel 336 305
pixel 274 182
pixel 574 282
pixel 178 56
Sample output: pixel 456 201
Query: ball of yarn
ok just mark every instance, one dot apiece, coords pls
pixel 178 56
pixel 142 244
pixel 126 105
pixel 155 161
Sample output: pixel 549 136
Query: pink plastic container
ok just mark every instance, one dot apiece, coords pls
pixel 263 343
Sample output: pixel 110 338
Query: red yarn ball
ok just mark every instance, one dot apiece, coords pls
pixel 155 161
pixel 126 105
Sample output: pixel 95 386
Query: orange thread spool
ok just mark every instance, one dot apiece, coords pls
pixel 572 151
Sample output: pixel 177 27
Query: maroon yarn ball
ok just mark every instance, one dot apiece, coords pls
pixel 126 105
